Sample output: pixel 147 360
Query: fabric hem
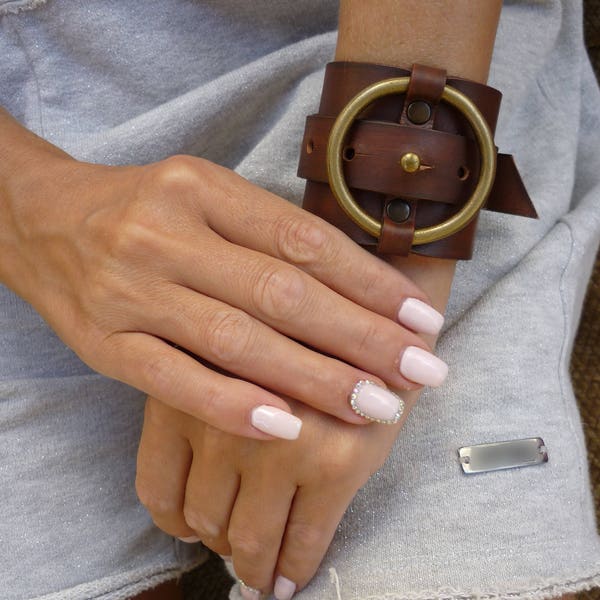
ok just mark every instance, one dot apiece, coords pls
pixel 17 6
pixel 125 585
pixel 538 590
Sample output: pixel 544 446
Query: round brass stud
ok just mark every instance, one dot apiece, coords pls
pixel 371 225
pixel 410 162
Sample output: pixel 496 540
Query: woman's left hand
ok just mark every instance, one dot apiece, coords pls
pixel 273 506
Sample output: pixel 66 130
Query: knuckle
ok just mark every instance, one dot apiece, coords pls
pixel 303 551
pixel 175 175
pixel 302 241
pixel 229 335
pixel 191 516
pixel 305 537
pixel 370 338
pixel 159 374
pixel 157 504
pixel 247 546
pixel 279 292
pixel 166 190
pixel 339 466
pixel 335 469
pixel 209 407
pixel 207 529
pixel 143 221
pixel 369 281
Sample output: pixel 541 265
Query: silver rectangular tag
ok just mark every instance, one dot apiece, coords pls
pixel 503 455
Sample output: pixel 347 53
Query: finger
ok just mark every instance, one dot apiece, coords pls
pixel 234 341
pixel 299 306
pixel 210 494
pixel 173 377
pixel 163 462
pixel 251 217
pixel 257 525
pixel 311 525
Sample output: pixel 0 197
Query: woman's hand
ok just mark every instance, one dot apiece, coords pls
pixel 135 267
pixel 274 507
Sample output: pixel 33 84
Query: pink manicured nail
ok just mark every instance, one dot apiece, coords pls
pixel 376 403
pixel 284 588
pixel 277 422
pixel 248 593
pixel 420 317
pixel 190 540
pixel 422 367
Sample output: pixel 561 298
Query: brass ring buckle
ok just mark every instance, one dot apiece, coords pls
pixel 363 219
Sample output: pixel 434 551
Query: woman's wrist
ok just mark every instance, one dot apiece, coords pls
pixel 26 164
pixel 455 36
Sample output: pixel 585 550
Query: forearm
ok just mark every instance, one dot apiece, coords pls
pixel 456 35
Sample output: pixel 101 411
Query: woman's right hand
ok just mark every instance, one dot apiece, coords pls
pixel 122 260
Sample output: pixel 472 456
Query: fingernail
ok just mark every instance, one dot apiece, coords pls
pixel 190 540
pixel 284 588
pixel 248 593
pixel 376 403
pixel 422 367
pixel 277 422
pixel 227 559
pixel 420 317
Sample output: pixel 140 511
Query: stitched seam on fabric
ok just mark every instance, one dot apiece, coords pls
pixel 562 367
pixel 12 7
pixel 147 580
pixel 152 580
pixel 38 91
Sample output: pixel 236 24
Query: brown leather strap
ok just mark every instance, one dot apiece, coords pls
pixel 423 96
pixel 397 232
pixel 413 122
pixel 376 149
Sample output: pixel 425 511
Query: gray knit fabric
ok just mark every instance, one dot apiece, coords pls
pixel 231 80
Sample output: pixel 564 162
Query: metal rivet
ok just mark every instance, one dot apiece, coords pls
pixel 418 112
pixel 398 210
pixel 410 162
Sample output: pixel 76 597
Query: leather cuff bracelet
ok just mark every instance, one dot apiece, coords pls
pixel 403 160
